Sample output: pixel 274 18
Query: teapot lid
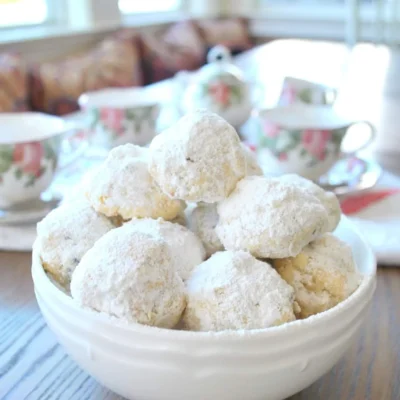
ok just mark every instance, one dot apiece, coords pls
pixel 219 54
pixel 219 60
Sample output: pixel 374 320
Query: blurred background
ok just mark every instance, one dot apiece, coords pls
pixel 121 71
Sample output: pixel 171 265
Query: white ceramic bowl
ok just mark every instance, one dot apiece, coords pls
pixel 146 363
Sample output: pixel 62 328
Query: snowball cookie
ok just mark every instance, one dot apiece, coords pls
pixel 234 290
pixel 130 275
pixel 122 186
pixel 200 158
pixel 269 218
pixel 202 221
pixel 322 275
pixel 328 199
pixel 252 167
pixel 66 234
pixel 186 248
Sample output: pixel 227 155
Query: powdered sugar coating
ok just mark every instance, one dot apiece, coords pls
pixel 122 186
pixel 322 275
pixel 269 218
pixel 202 220
pixel 186 248
pixel 198 159
pixel 252 166
pixel 66 234
pixel 328 199
pixel 234 290
pixel 130 275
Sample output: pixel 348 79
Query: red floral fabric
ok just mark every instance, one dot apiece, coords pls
pixel 232 33
pixel 56 86
pixel 164 53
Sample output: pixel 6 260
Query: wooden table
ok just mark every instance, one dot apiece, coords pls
pixel 32 364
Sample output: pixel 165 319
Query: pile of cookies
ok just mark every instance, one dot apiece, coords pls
pixel 189 232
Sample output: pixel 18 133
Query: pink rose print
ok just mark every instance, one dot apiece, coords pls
pixel 220 92
pixel 288 95
pixel 283 157
pixel 250 146
pixel 315 141
pixel 112 119
pixel 271 130
pixel 28 157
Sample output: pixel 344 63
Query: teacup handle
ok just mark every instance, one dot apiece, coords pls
pixel 75 152
pixel 367 142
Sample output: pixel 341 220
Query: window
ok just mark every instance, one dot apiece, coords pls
pixel 22 12
pixel 148 6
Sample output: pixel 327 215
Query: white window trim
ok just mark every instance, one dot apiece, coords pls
pixel 331 22
pixel 64 23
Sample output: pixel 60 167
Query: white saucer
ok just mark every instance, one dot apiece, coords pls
pixel 351 175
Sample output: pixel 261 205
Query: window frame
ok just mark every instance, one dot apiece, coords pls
pixel 47 21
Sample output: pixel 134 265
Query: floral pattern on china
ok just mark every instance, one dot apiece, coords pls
pixel 219 87
pixel 304 139
pixel 120 126
pixel 27 161
pixel 316 144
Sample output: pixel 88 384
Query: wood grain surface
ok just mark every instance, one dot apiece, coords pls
pixel 34 366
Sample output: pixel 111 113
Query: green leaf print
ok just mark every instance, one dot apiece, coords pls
pixel 18 173
pixel 305 95
pixel 93 118
pixel 49 150
pixel 6 158
pixel 31 181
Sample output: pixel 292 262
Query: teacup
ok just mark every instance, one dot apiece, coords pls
pixel 296 90
pixel 32 147
pixel 305 139
pixel 119 116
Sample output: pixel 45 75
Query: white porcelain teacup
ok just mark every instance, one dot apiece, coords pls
pixel 118 116
pixel 296 90
pixel 306 139
pixel 31 148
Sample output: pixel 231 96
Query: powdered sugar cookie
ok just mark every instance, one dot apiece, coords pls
pixel 66 234
pixel 122 186
pixel 252 166
pixel 269 218
pixel 328 199
pixel 202 220
pixel 198 159
pixel 130 275
pixel 186 248
pixel 234 290
pixel 322 275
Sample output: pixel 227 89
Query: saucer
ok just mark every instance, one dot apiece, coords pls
pixel 28 212
pixel 351 175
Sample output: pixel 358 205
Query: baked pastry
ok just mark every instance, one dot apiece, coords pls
pixel 130 275
pixel 234 290
pixel 200 158
pixel 122 187
pixel 252 166
pixel 66 234
pixel 202 221
pixel 328 199
pixel 322 275
pixel 270 218
pixel 186 248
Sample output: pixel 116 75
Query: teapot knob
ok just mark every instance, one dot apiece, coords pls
pixel 219 54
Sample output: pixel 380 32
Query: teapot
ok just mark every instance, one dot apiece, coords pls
pixel 219 86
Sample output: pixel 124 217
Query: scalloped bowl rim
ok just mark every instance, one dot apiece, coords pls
pixel 368 282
